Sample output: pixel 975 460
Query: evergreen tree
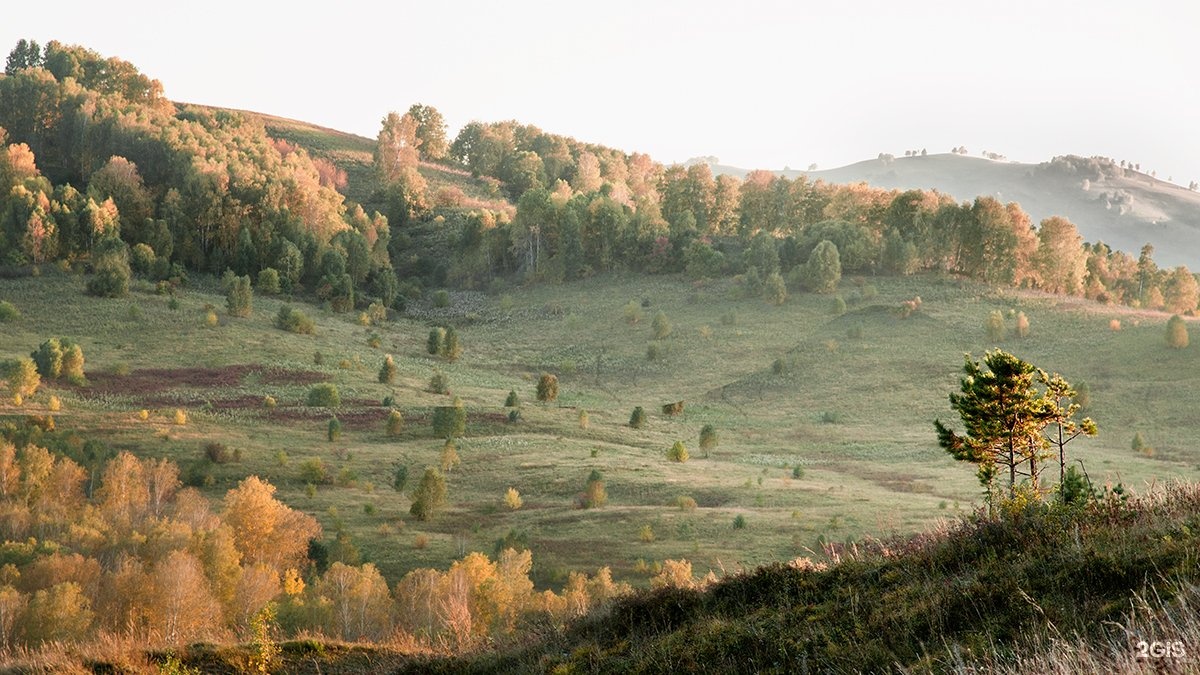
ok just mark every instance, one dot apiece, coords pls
pixel 638 419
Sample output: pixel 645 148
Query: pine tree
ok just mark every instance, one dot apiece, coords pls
pixel 638 419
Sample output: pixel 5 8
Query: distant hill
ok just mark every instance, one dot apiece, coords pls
pixel 1123 208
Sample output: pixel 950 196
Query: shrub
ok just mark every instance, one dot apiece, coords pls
pixel 547 387
pixel 830 417
pixel 334 430
pixel 21 376
pixel 774 289
pixel 708 437
pixel 797 472
pixel 823 270
pixel 395 423
pixel 660 326
pixel 685 503
pixel 8 312
pixel 399 478
pixel 512 401
pixel 218 453
pixel 110 261
pixel 324 395
pixel 653 352
pixel 739 523
pixel 646 534
pixel 180 417
pixel 239 298
pixel 779 366
pixel 387 371
pixel 441 298
pixel 514 416
pixel 268 281
pixel 449 459
pixel 143 414
pixel 1022 329
pixel 449 420
pixel 314 471
pixel 994 325
pixel 269 402
pixel 421 541
pixel 838 306
pixel 632 313
pixel 450 348
pixel 293 321
pixel 672 409
pixel 594 494
pixel 54 404
pixel 439 383
pixel 584 421
pixel 429 496
pixel 210 318
pixel 512 499
pixel 1114 325
pixel 1177 333
pixel 48 358
pixel 638 419
pixel 678 453
pixel 72 363
pixel 436 337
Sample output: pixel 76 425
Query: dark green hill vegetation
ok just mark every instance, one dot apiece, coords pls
pixel 992 593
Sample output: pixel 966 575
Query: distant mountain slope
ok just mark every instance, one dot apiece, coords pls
pixel 1124 209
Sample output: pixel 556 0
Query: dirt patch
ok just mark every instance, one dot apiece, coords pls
pixel 150 385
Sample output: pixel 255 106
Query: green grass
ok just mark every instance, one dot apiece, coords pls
pixel 873 469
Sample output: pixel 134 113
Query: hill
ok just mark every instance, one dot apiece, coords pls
pixel 1121 207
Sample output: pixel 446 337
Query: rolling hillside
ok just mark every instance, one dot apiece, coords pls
pixel 1123 208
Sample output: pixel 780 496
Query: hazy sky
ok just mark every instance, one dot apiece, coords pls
pixel 758 84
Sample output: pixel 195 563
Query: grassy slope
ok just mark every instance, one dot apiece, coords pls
pixel 1162 213
pixel 1035 592
pixel 875 471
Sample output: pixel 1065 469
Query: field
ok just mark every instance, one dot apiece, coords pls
pixel 825 420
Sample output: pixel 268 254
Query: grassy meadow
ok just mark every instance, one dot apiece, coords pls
pixel 824 419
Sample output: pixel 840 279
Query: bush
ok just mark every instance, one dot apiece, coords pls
pixel 739 523
pixel 239 299
pixel 439 383
pixel 449 420
pixel 584 420
pixel 387 371
pixel 293 321
pixel 441 298
pixel 48 357
pixel 672 409
pixel 450 348
pixel 547 387
pixel 399 478
pixel 268 281
pixel 638 419
pixel 678 453
pixel 774 289
pixel 653 352
pixel 449 459
pixel 838 306
pixel 334 430
pixel 110 261
pixel 324 395
pixel 54 404
pixel 685 503
pixel 823 270
pixel 512 401
pixel 994 325
pixel 660 326
pixel 395 423
pixel 512 499
pixel 218 453
pixel 180 418
pixel 8 312
pixel 1022 329
pixel 632 313
pixel 708 437
pixel 646 534
pixel 210 318
pixel 21 376
pixel 429 496
pixel 1177 333
pixel 514 416
pixel 437 336
pixel 594 494
pixel 269 402
pixel 1114 325
pixel 315 472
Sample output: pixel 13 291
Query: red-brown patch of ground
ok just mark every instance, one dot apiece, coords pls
pixel 149 385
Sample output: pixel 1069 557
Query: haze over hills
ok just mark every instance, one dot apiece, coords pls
pixel 1121 207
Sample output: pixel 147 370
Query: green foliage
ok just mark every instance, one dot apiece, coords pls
pixel 450 349
pixel 20 376
pixel 709 438
pixel 399 478
pixel 110 264
pixel 387 371
pixel 239 298
pixel 437 336
pixel 823 270
pixel 324 395
pixel 49 359
pixel 268 281
pixel 1177 332
pixel 334 430
pixel 632 312
pixel 429 496
pixel 449 420
pixel 774 289
pixel 678 452
pixel 314 471
pixel 441 299
pixel 838 306
pixel 438 383
pixel 8 312
pixel 739 522
pixel 264 655
pixel 595 495
pixel 547 387
pixel 660 326
pixel 638 419
pixel 294 321
pixel 512 401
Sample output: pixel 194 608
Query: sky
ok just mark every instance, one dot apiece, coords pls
pixel 758 84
